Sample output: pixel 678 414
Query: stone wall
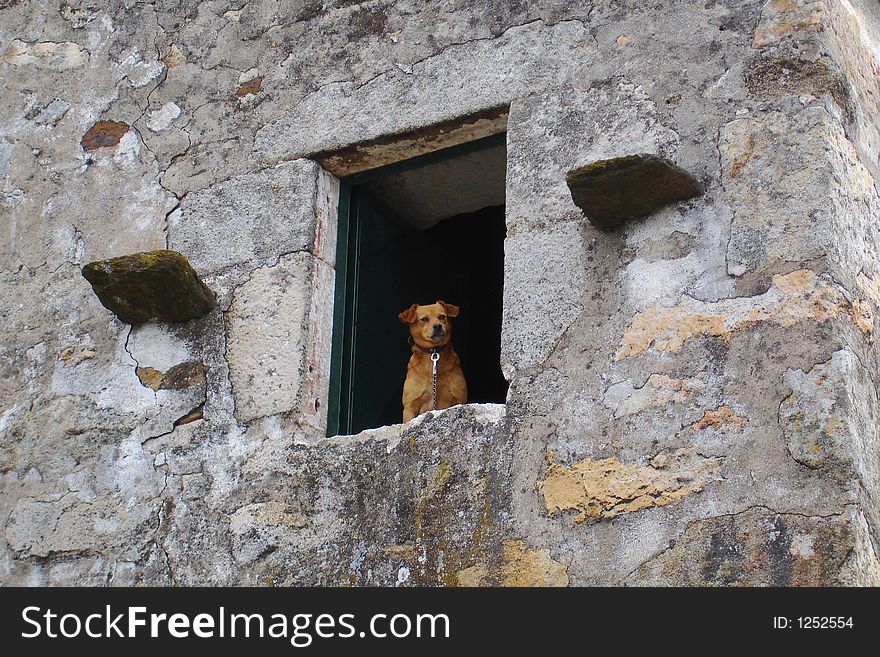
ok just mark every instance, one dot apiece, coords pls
pixel 694 396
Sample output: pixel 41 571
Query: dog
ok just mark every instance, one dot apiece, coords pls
pixel 430 333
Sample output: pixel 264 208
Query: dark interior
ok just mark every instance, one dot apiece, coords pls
pixel 459 260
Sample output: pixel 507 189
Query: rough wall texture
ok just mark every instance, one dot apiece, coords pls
pixel 694 396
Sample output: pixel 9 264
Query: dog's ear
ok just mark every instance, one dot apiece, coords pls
pixel 408 316
pixel 451 310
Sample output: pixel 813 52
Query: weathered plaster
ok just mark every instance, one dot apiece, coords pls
pixel 800 295
pixel 604 489
pixel 705 377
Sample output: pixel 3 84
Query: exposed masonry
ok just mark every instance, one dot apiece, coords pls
pixel 694 397
pixel 791 298
pixel 608 488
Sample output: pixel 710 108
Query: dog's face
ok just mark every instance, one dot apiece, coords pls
pixel 430 325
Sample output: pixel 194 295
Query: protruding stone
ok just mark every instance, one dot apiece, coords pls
pixel 630 187
pixel 156 286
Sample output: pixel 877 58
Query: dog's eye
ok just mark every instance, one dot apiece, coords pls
pixel 424 319
pixel 442 317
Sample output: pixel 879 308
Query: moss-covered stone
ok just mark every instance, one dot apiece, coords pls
pixel 155 286
pixel 623 188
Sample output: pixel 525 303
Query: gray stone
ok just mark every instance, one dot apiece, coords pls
pixel 759 548
pixel 551 134
pixel 5 156
pixel 265 339
pixel 533 324
pixel 250 218
pixel 52 113
pixel 826 419
pixel 520 61
pixel 613 191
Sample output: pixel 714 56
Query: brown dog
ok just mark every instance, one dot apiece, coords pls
pixel 431 333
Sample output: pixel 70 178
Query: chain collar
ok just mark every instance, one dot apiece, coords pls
pixel 435 358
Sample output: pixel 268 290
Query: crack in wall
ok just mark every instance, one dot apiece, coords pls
pixel 673 542
pixel 466 42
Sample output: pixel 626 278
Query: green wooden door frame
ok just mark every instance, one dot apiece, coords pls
pixel 340 384
pixel 348 243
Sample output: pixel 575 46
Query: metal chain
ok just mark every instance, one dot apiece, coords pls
pixel 435 356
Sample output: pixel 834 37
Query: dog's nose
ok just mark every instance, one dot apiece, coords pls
pixel 438 328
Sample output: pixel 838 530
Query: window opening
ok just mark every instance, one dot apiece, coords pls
pixel 416 231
